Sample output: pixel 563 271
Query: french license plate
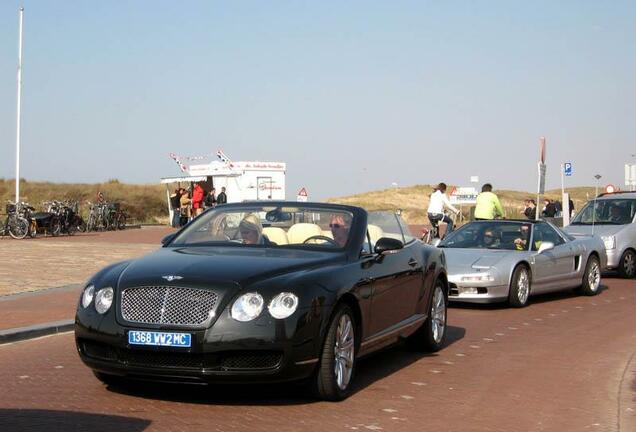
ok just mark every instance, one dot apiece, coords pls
pixel 151 338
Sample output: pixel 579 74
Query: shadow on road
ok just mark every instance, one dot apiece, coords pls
pixel 370 369
pixel 34 420
pixel 535 299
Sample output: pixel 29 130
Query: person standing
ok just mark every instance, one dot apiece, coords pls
pixel 222 198
pixel 488 206
pixel 210 199
pixel 197 200
pixel 530 210
pixel 185 201
pixel 439 201
pixel 550 209
pixel 175 205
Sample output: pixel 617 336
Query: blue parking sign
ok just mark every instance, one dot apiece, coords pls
pixel 567 168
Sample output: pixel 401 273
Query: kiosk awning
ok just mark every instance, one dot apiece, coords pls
pixel 167 180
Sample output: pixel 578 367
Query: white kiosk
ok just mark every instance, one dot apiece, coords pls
pixel 243 181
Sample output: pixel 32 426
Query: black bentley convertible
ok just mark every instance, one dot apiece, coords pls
pixel 265 292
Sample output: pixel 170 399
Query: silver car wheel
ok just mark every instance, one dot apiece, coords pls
pixel 629 265
pixel 523 286
pixel 344 351
pixel 438 314
pixel 594 276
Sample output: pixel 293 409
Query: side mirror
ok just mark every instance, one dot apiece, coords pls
pixel 167 239
pixel 387 245
pixel 545 246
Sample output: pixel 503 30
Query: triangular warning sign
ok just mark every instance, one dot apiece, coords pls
pixel 302 192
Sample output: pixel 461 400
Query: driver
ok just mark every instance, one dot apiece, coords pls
pixel 616 214
pixel 490 239
pixel 251 230
pixel 340 225
pixel 522 240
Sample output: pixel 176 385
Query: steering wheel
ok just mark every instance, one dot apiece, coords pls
pixel 321 237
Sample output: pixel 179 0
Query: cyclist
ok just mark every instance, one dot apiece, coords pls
pixel 439 201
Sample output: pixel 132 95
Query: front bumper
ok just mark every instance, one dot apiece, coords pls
pixel 466 292
pixel 613 258
pixel 262 351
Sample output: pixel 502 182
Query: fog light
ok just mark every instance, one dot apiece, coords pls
pixel 468 290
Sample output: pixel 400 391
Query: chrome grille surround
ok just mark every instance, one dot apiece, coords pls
pixel 168 305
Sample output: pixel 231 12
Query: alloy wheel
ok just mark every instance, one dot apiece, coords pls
pixel 438 314
pixel 523 286
pixel 629 264
pixel 344 351
pixel 594 276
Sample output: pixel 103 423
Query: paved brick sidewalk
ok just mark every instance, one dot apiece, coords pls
pixel 35 264
pixel 38 308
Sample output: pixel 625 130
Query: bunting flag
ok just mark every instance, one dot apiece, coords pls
pixel 222 156
pixel 177 159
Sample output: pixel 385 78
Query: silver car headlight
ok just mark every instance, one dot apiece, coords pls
pixel 283 305
pixel 87 296
pixel 247 307
pixel 103 300
pixel 482 277
pixel 610 242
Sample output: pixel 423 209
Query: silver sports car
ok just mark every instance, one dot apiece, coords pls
pixel 510 260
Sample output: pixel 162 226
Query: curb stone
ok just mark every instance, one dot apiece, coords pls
pixel 34 331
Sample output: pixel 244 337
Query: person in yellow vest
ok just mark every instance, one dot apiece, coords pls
pixel 488 206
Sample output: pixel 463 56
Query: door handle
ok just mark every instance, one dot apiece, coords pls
pixel 412 262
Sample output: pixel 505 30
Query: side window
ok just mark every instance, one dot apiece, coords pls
pixel 545 233
pixel 406 231
pixel 366 246
pixel 383 224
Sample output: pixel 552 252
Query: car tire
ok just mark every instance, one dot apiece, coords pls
pixel 520 286
pixel 592 277
pixel 337 360
pixel 627 266
pixel 109 380
pixel 431 335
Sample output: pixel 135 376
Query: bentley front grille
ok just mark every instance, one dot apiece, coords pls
pixel 168 305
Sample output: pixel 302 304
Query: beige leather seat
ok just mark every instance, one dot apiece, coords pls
pixel 300 232
pixel 276 234
pixel 375 232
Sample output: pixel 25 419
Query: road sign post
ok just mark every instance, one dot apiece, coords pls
pixel 542 171
pixel 566 171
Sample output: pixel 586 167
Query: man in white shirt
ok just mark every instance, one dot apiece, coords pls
pixel 438 202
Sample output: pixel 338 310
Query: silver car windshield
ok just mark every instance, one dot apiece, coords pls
pixel 490 235
pixel 614 211
pixel 268 226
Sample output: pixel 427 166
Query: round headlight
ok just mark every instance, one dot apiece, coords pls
pixel 103 299
pixel 247 307
pixel 87 296
pixel 283 305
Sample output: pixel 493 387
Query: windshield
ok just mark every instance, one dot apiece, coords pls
pixel 268 226
pixel 606 212
pixel 490 235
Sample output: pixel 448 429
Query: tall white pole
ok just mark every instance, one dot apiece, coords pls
pixel 17 135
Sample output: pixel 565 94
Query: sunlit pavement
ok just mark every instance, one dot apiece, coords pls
pixel 561 364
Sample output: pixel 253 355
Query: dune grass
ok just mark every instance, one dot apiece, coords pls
pixel 146 203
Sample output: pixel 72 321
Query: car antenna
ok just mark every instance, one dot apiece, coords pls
pixel 597 177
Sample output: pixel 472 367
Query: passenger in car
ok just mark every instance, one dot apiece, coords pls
pixel 340 225
pixel 251 229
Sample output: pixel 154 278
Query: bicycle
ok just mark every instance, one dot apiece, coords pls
pixel 16 224
pixel 430 235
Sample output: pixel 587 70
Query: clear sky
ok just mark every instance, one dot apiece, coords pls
pixel 353 95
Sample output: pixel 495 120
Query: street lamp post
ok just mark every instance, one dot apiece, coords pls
pixel 19 114
pixel 597 177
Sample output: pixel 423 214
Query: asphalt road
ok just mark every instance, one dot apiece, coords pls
pixel 561 364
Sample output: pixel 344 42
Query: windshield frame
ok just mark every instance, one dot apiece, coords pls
pixel 358 216
pixel 606 203
pixel 444 243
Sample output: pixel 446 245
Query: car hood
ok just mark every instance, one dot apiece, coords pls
pixel 218 266
pixel 472 260
pixel 587 230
